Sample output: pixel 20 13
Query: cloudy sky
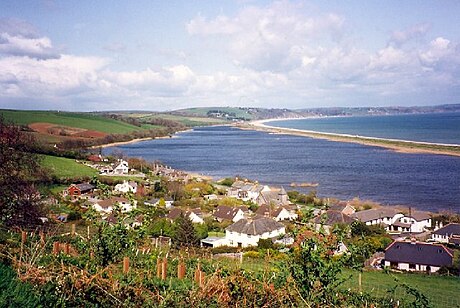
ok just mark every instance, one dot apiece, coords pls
pixel 164 55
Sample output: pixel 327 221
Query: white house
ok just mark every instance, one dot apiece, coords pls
pixel 121 167
pixel 126 186
pixel 395 221
pixel 107 206
pixel 417 256
pixel 244 233
pixel 246 191
pixel 448 234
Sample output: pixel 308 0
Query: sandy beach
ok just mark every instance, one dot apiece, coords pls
pixel 402 146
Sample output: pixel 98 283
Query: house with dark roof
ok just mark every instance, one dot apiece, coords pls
pixel 228 213
pixel 76 190
pixel 417 256
pixel 448 234
pixel 244 232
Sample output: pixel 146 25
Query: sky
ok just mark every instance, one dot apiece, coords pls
pixel 164 55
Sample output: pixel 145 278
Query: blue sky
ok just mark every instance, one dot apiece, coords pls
pixel 164 55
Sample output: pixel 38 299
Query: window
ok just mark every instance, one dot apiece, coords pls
pixel 439 250
pixel 412 266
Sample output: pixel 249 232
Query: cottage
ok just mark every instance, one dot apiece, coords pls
pixel 227 213
pixel 448 234
pixel 121 168
pixel 246 191
pixel 107 206
pixel 273 197
pixel 244 233
pixel 126 186
pixel 395 221
pixel 417 256
pixel 76 190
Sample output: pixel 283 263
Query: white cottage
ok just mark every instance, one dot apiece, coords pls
pixel 244 233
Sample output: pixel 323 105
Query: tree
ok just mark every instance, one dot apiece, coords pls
pixel 185 232
pixel 19 168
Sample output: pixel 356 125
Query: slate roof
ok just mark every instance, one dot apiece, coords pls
pixel 265 210
pixel 84 187
pixel 419 216
pixel 450 229
pixel 373 214
pixel 255 227
pixel 334 217
pixel 111 202
pixel 175 213
pixel 226 212
pixel 419 253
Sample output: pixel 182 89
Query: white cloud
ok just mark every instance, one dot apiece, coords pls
pixel 18 38
pixel 267 38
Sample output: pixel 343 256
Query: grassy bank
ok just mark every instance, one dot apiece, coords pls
pixel 441 291
pixel 66 168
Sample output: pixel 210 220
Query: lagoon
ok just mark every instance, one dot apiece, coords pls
pixel 343 170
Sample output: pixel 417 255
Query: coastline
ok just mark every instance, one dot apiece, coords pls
pixel 400 146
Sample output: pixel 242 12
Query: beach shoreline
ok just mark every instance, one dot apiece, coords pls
pixel 400 146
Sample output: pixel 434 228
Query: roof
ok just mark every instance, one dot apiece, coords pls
pixel 84 186
pixel 373 214
pixel 266 210
pixel 255 227
pixel 110 202
pixel 450 229
pixel 176 212
pixel 419 253
pixel 334 217
pixel 226 212
pixel 419 216
pixel 399 223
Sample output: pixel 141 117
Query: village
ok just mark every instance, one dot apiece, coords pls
pixel 234 215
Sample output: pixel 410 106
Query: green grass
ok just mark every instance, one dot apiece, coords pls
pixel 66 168
pixel 78 120
pixel 442 291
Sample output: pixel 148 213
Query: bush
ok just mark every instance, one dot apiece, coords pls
pixel 224 249
pixel 74 216
pixel 13 292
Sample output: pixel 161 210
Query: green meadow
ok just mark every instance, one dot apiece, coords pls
pixel 62 167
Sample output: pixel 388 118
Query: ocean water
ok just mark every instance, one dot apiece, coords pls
pixel 343 170
pixel 437 127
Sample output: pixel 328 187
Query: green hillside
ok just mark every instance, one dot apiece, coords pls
pixel 65 167
pixel 78 120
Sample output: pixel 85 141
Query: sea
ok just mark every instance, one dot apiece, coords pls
pixel 342 170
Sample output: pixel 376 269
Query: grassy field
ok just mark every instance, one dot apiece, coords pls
pixel 78 120
pixel 442 291
pixel 66 168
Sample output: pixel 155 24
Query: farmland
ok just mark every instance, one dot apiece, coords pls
pixel 78 120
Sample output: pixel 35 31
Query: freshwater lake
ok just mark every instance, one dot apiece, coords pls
pixel 343 170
